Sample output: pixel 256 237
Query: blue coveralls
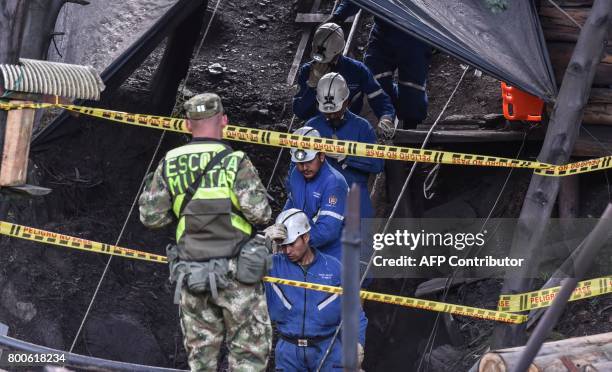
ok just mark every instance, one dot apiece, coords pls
pixel 305 314
pixel 388 49
pixel 360 82
pixel 323 200
pixel 355 169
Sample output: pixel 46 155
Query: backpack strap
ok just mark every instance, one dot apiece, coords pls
pixel 191 190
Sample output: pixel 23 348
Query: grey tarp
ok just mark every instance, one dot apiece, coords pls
pixel 508 45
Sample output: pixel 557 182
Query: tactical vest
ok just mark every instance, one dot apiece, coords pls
pixel 211 224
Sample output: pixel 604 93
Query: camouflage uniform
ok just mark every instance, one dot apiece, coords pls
pixel 239 313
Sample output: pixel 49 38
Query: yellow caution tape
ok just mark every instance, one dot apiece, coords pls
pixel 279 139
pixel 544 298
pixel 48 237
pixel 417 303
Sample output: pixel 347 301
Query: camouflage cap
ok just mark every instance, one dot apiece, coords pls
pixel 203 106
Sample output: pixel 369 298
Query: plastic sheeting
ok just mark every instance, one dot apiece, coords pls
pixel 508 45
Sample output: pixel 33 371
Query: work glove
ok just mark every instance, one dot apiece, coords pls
pixel 276 232
pixel 360 355
pixel 339 157
pixel 317 70
pixel 386 128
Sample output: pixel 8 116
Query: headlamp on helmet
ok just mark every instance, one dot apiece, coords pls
pixel 332 92
pixel 327 43
pixel 302 155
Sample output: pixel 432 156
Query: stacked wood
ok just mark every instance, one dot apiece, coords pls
pixel 561 35
pixel 560 54
pixel 589 353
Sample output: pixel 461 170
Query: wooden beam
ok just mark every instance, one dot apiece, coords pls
pixel 174 64
pixel 560 54
pixel 556 25
pixel 16 146
pixel 561 136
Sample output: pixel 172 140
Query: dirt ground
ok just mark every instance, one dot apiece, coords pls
pixel 95 176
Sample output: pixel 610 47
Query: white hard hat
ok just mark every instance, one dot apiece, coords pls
pixel 327 42
pixel 332 91
pixel 296 222
pixel 301 155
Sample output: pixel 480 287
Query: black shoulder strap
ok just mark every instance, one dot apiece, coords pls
pixel 191 190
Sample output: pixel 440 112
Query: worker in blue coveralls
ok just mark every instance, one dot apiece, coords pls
pixel 336 121
pixel 390 48
pixel 306 320
pixel 319 190
pixel 327 45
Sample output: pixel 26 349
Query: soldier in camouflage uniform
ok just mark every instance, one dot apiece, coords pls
pixel 230 192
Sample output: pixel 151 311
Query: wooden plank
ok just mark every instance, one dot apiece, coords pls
pixel 594 141
pixel 560 54
pixel 297 59
pixel 599 107
pixel 316 18
pixel 16 146
pixel 414 136
pixel 301 47
pixel 571 3
pixel 556 25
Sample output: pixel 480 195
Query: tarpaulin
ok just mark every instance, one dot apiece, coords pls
pixel 507 44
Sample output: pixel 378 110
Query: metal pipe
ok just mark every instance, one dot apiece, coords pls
pixel 351 241
pixel 590 246
pixel 77 360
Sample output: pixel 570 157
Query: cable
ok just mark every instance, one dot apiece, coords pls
pixel 447 285
pixel 116 244
pixel 394 210
pixel 565 14
pixel 161 138
pixel 429 181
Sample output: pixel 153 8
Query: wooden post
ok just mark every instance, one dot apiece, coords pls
pixel 16 147
pixel 12 21
pixel 560 137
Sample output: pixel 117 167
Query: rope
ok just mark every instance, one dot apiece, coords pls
pixel 565 14
pixel 397 202
pixel 430 180
pixel 159 142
